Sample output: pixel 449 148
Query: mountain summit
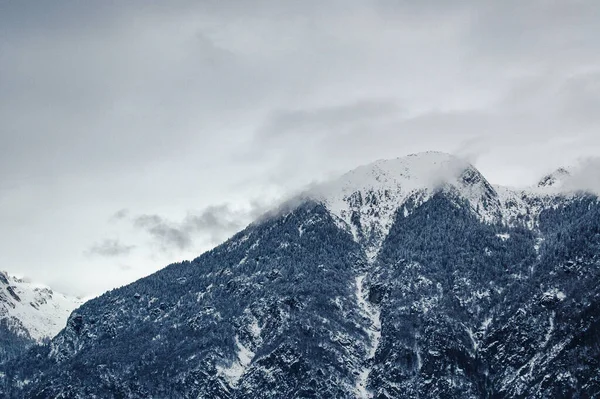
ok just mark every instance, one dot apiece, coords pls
pixel 555 179
pixel 412 277
pixel 367 199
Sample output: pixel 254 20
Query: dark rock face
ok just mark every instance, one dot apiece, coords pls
pixel 11 291
pixel 291 308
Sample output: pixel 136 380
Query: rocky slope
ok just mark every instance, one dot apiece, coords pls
pixel 29 313
pixel 412 277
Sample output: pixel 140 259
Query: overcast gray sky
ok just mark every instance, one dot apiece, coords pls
pixel 134 134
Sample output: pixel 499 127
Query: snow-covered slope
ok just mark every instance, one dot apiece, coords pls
pixel 366 200
pixel 522 206
pixel 33 310
pixel 555 179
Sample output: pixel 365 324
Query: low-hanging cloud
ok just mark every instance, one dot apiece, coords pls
pixel 166 233
pixel 585 176
pixel 212 225
pixel 110 248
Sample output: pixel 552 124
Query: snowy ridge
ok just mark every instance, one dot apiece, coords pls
pixel 555 179
pixel 366 200
pixel 34 310
pixel 522 206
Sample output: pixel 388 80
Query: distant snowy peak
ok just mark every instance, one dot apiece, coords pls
pixel 33 310
pixel 555 179
pixel 366 199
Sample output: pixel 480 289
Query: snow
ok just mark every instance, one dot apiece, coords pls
pixel 366 200
pixel 373 330
pixel 238 367
pixel 477 335
pixel 503 236
pixel 418 352
pixel 523 206
pixel 376 191
pixel 255 329
pixel 360 389
pixel 41 311
pixel 557 179
pixel 486 323
pixel 371 313
pixel 474 340
pixel 554 293
pixel 550 328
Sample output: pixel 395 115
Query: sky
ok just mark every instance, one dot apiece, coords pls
pixel 136 134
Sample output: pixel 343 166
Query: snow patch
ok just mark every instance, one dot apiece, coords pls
pixel 486 323
pixel 255 329
pixel 372 314
pixel 550 328
pixel 503 236
pixel 238 367
pixel 360 389
pixel 553 294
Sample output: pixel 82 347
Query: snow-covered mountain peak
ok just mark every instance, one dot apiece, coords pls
pixel 427 169
pixel 555 179
pixel 366 199
pixel 32 309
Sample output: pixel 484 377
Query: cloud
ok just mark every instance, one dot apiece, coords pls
pixel 327 119
pixel 109 248
pixel 120 215
pixel 164 232
pixel 217 222
pixel 212 225
pixel 472 149
pixel 208 102
pixel 585 176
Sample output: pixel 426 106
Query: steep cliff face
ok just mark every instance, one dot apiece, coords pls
pixel 408 278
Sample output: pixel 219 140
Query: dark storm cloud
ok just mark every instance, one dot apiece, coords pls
pixel 110 248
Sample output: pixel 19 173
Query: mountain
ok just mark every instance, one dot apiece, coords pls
pixel 29 314
pixel 412 277
pixel 555 179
